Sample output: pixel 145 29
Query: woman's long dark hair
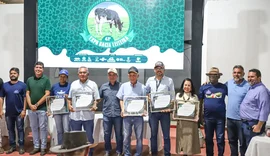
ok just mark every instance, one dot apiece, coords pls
pixel 193 92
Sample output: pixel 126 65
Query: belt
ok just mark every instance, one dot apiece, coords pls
pixel 249 120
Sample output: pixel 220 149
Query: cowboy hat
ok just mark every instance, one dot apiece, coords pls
pixel 72 141
pixel 214 71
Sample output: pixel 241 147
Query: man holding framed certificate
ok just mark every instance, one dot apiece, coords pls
pixel 132 97
pixel 161 90
pixel 83 92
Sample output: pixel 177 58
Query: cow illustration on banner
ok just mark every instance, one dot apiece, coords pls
pixel 106 33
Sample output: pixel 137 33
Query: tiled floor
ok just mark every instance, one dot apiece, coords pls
pixel 99 150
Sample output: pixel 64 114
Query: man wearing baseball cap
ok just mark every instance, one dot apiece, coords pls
pixel 112 112
pixel 155 84
pixel 60 90
pixel 213 97
pixel 132 88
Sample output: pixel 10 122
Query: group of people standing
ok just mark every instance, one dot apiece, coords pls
pixel 247 110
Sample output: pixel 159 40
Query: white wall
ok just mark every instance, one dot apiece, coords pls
pixel 237 32
pixel 11 39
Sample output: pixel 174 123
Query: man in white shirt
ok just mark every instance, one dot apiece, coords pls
pixel 83 88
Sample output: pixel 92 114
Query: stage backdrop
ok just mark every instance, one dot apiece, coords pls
pixel 111 33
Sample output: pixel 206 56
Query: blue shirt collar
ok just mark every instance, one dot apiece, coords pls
pixel 116 82
pixel 133 85
pixel 242 83
pixel 256 85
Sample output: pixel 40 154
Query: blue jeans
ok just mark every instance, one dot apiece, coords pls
pixel 117 122
pixel 248 131
pixel 62 125
pixel 88 126
pixel 212 125
pixel 39 121
pixel 138 122
pixel 165 121
pixel 234 130
pixel 11 121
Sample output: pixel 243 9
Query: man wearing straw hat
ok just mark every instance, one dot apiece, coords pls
pixel 213 96
pixel 75 143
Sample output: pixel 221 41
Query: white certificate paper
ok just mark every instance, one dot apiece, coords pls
pixel 186 110
pixel 135 105
pixel 84 100
pixel 57 104
pixel 162 101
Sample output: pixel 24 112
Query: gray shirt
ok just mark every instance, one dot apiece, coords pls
pixel 164 85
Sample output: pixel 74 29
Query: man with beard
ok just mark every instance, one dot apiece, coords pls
pixel 14 92
pixel 254 109
pixel 237 89
pixel 38 88
pixel 160 83
pixel 213 97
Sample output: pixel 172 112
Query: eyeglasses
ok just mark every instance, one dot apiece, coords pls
pixel 159 68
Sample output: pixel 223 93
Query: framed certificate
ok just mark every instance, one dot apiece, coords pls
pixel 185 110
pixel 83 101
pixel 135 105
pixel 161 101
pixel 56 105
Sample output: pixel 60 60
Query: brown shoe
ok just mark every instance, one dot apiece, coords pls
pixel 34 151
pixel 1 150
pixel 11 150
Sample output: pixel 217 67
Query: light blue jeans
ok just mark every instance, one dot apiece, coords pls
pixel 39 121
pixel 62 125
pixel 129 122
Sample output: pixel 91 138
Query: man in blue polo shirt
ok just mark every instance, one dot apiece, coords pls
pixel 237 89
pixel 112 112
pixel 213 97
pixel 14 92
pixel 132 88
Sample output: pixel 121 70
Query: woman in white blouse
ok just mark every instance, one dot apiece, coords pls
pixel 187 135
